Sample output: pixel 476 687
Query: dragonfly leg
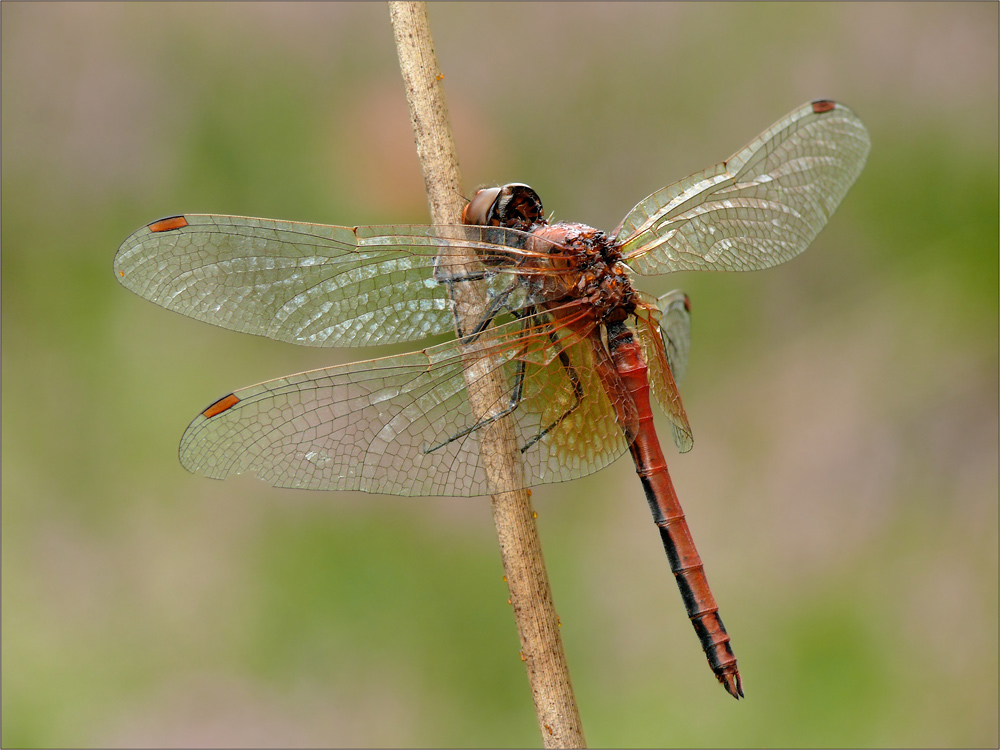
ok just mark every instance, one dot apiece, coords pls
pixel 498 302
pixel 518 392
pixel 574 378
pixel 447 277
pixel 515 398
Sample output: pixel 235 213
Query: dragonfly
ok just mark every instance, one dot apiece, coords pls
pixel 576 348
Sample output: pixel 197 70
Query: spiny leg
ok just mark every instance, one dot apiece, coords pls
pixel 574 378
pixel 515 398
pixel 497 301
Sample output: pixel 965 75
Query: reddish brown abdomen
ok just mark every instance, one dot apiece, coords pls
pixel 669 516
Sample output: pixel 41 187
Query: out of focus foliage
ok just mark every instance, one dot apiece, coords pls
pixel 843 486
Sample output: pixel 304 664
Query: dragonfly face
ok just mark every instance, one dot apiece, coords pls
pixel 576 346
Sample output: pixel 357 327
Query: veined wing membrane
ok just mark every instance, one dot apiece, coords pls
pixel 663 330
pixel 761 207
pixel 675 328
pixel 403 424
pixel 313 284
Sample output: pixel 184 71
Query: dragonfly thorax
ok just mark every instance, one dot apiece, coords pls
pixel 571 261
pixel 584 265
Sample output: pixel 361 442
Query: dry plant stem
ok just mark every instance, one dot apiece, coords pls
pixel 527 579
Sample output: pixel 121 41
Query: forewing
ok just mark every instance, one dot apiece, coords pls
pixel 403 425
pixel 313 284
pixel 762 206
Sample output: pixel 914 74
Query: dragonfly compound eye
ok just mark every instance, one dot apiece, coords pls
pixel 517 207
pixel 481 205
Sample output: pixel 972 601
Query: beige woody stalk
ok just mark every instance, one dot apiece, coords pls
pixel 524 566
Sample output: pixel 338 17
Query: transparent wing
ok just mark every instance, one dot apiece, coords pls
pixel 314 284
pixel 653 330
pixel 675 329
pixel 403 424
pixel 761 207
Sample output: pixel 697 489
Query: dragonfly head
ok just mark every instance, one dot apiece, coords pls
pixel 513 206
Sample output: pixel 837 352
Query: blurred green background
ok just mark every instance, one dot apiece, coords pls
pixel 843 487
